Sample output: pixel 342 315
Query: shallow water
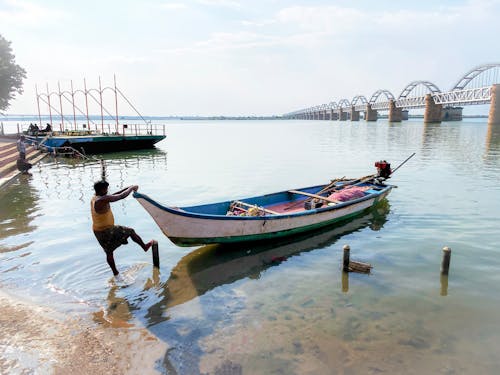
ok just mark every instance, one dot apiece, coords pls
pixel 238 308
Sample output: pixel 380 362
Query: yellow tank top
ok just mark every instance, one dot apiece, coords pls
pixel 101 221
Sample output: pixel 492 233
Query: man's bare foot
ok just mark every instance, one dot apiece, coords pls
pixel 148 245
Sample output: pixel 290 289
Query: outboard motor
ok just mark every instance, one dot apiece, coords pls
pixel 383 169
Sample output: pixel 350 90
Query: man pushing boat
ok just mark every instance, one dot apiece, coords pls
pixel 109 235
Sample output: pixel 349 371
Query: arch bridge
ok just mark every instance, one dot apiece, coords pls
pixel 480 85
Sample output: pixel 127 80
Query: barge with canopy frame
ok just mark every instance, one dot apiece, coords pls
pixel 93 136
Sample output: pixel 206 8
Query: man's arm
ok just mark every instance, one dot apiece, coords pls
pixel 122 190
pixel 99 204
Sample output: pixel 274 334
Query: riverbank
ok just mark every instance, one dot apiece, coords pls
pixel 37 339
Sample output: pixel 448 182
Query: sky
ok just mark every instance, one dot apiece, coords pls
pixel 235 57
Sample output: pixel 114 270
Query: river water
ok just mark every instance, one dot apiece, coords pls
pixel 222 310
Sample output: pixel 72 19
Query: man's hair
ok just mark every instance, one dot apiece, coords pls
pixel 99 185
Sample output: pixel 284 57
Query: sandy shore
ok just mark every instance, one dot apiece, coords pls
pixel 35 339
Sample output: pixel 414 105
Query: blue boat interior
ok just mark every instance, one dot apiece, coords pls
pixel 270 200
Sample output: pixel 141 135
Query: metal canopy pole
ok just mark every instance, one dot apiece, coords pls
pixel 60 104
pixel 102 115
pixel 116 104
pixel 50 111
pixel 87 103
pixel 73 100
pixel 38 105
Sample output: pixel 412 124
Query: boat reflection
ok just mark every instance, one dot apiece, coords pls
pixel 211 266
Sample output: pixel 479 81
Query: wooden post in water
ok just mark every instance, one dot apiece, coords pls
pixel 345 282
pixel 156 257
pixel 347 251
pixel 445 264
pixel 103 170
pixel 444 285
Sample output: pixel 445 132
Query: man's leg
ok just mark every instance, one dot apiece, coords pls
pixel 135 237
pixel 111 261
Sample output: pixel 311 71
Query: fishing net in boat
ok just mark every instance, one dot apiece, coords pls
pixel 349 193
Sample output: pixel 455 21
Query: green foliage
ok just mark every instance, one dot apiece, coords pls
pixel 11 75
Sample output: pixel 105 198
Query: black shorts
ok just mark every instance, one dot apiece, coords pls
pixel 112 238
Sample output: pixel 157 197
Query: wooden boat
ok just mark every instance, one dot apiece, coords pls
pixel 268 216
pixel 211 266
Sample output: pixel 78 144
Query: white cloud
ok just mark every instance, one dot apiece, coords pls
pixel 29 14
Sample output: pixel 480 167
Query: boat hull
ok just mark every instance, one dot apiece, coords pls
pixel 101 144
pixel 188 229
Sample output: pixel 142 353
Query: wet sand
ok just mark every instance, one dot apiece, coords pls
pixel 35 339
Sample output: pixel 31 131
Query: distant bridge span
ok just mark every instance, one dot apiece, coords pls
pixel 480 85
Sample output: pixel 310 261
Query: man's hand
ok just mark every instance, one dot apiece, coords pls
pixel 135 187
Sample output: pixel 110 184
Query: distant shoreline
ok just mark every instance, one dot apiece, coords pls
pixel 46 118
pixel 19 117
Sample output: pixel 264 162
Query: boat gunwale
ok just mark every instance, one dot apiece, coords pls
pixel 182 212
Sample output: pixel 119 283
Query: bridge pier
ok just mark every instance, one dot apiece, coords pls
pixel 404 114
pixel 370 114
pixel 335 116
pixel 395 113
pixel 354 114
pixel 452 114
pixel 342 115
pixel 433 111
pixel 494 115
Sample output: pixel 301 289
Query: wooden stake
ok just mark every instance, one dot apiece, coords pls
pixel 345 282
pixel 445 264
pixel 347 251
pixel 103 170
pixel 156 257
pixel 444 285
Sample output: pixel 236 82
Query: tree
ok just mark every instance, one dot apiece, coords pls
pixel 11 75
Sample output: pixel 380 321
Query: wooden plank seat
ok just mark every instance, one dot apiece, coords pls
pixel 326 199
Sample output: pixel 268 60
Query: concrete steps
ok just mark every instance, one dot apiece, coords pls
pixel 9 156
pixel 13 156
pixel 7 149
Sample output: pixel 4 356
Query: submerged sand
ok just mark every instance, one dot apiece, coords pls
pixel 38 340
